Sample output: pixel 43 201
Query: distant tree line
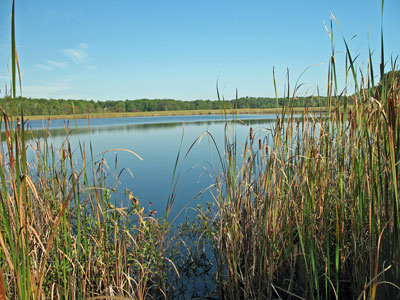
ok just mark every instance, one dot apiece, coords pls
pixel 33 106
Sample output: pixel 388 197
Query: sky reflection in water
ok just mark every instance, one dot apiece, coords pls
pixel 157 140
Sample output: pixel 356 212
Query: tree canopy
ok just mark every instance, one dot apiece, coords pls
pixel 35 106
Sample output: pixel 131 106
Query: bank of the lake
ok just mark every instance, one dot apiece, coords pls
pixel 297 110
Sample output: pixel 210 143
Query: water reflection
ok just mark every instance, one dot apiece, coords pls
pixel 71 131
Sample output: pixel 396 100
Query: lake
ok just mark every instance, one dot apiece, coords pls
pixel 157 140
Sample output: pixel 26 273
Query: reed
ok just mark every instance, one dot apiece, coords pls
pixel 63 233
pixel 170 113
pixel 312 211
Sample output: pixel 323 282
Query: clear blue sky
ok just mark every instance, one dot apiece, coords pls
pixel 129 49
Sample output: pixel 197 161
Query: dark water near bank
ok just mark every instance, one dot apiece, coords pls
pixel 157 140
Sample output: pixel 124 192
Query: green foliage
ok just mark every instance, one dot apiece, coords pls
pixel 44 107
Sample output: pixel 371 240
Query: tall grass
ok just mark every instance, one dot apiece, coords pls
pixel 308 212
pixel 64 233
pixel 61 234
pixel 312 212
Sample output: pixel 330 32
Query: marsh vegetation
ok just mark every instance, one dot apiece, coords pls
pixel 307 211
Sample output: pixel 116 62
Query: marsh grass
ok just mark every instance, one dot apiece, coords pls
pixel 308 212
pixel 171 113
pixel 63 233
pixel 312 211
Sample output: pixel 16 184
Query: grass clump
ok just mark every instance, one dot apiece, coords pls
pixel 312 210
pixel 65 235
pixel 63 232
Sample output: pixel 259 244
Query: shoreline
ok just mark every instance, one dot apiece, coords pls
pixel 171 113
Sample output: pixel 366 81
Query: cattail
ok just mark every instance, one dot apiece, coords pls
pixel 135 201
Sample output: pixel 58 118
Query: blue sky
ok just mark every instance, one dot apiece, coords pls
pixel 128 49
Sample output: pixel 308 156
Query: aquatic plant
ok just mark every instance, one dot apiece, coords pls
pixel 63 234
pixel 312 211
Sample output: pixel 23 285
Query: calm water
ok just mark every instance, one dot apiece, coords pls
pixel 158 141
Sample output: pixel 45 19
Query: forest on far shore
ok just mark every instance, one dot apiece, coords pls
pixel 35 107
pixel 45 107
